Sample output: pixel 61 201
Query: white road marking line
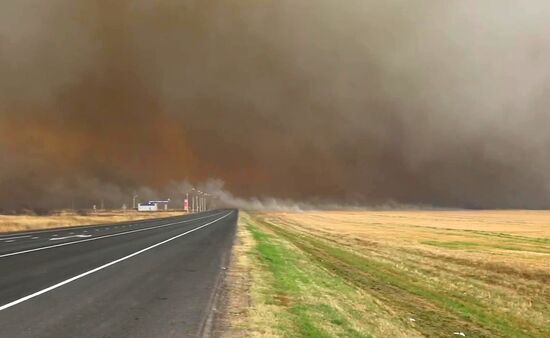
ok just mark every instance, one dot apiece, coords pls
pixel 101 237
pixel 35 238
pixel 74 236
pixel 67 281
pixel 10 238
pixel 10 241
pixel 37 232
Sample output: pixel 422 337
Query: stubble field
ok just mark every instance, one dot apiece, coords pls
pixel 394 274
pixel 11 223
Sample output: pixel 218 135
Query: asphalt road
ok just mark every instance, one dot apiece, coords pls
pixel 153 279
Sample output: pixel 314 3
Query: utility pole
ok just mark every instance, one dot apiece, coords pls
pixel 199 200
pixel 134 200
pixel 193 205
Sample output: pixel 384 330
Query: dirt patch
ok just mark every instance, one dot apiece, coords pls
pixel 235 301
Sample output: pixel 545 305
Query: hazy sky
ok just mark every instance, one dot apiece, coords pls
pixel 444 103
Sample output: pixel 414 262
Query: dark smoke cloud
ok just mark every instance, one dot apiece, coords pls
pixel 438 103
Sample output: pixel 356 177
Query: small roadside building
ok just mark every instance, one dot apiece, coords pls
pixel 148 207
pixel 153 206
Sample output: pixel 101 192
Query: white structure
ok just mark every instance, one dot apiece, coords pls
pixel 149 206
pixel 153 205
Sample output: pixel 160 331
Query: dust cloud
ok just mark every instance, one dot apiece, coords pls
pixel 356 102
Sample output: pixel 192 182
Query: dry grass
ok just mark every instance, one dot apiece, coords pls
pixel 405 273
pixel 518 239
pixel 237 284
pixel 11 223
pixel 519 222
pixel 248 309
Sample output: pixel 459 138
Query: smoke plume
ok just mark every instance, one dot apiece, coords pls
pixel 441 103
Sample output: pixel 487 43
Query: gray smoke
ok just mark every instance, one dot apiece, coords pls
pixel 356 102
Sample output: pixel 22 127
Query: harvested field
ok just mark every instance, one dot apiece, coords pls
pixel 400 273
pixel 11 223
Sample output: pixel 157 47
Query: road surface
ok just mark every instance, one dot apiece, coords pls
pixel 153 279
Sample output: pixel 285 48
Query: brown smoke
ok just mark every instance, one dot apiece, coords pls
pixel 441 103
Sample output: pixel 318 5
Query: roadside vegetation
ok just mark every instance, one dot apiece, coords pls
pixel 11 223
pixel 396 274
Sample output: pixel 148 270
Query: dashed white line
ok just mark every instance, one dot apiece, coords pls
pixel 37 232
pixel 101 237
pixel 70 280
pixel 10 238
pixel 73 236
